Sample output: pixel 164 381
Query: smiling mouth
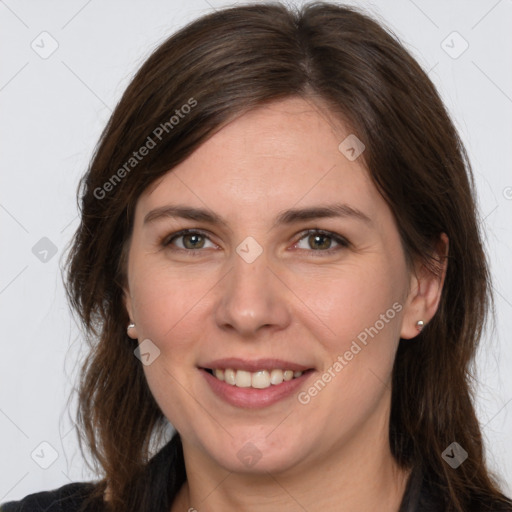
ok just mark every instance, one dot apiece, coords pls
pixel 260 379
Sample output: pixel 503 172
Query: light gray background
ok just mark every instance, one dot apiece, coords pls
pixel 53 110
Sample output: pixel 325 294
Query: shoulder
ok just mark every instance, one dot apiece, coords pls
pixel 68 498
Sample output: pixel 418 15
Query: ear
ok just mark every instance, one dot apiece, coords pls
pixel 425 291
pixel 127 299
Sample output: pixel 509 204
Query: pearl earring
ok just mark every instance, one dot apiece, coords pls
pixel 419 325
pixel 130 326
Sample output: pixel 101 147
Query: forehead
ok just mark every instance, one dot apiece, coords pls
pixel 283 154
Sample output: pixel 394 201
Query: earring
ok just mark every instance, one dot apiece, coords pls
pixel 419 325
pixel 130 326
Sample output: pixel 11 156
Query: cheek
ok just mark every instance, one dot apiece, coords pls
pixel 359 328
pixel 358 332
pixel 169 308
pixel 165 302
pixel 347 304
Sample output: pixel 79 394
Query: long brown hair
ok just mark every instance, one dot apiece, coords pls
pixel 221 66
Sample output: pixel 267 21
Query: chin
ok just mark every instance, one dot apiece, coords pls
pixel 257 456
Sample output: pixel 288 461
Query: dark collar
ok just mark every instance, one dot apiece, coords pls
pixel 419 496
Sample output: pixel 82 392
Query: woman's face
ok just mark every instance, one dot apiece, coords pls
pixel 294 263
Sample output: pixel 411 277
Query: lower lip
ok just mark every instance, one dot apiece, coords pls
pixel 252 398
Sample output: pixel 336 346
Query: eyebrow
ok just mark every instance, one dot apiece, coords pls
pixel 284 218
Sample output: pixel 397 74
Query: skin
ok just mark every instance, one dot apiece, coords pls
pixel 295 302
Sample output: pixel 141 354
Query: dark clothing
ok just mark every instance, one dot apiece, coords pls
pixel 68 498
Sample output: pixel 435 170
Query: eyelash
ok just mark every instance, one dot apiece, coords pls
pixel 342 242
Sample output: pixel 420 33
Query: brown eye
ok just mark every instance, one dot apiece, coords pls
pixel 193 241
pixel 187 240
pixel 321 241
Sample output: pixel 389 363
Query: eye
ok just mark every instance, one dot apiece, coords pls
pixel 317 240
pixel 322 241
pixel 189 240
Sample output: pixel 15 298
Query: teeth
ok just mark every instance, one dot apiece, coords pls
pixel 243 379
pixel 229 376
pixel 288 375
pixel 260 380
pixel 276 377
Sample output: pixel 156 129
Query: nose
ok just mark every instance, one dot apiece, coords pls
pixel 252 298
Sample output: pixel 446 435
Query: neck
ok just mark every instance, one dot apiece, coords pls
pixel 355 476
pixel 381 491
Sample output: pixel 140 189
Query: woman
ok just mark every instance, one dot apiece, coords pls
pixel 273 258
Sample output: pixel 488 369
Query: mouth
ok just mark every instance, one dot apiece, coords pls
pixel 260 379
pixel 254 384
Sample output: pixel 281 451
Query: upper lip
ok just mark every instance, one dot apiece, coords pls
pixel 254 365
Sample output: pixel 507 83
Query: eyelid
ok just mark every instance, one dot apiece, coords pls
pixel 166 241
pixel 340 240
